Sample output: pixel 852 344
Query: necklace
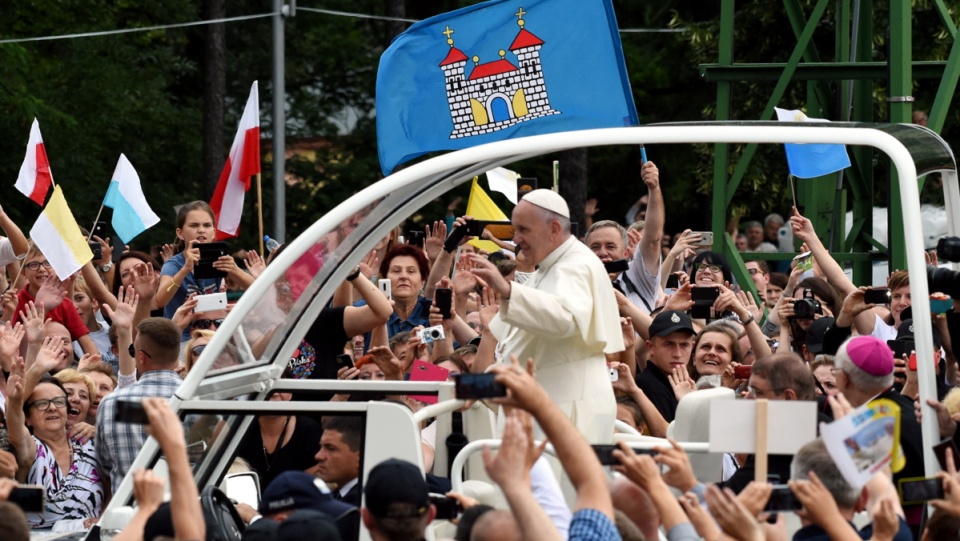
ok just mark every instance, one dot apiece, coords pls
pixel 268 457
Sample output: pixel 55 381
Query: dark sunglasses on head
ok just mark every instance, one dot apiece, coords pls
pixel 206 323
pixel 197 350
pixel 133 351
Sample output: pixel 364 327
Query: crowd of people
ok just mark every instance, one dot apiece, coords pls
pixel 589 336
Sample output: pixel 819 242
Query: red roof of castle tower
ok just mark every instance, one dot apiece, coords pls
pixel 455 55
pixel 525 39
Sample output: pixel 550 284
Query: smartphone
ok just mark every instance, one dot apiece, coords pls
pixel 444 300
pixel 424 371
pixel 478 386
pixel 605 453
pixel 804 261
pixel 782 499
pixel 416 238
pixel 706 238
pixel 447 508
pixel 384 285
pixel 880 295
pixel 673 282
pixel 742 371
pixel 901 347
pixel 29 498
pixel 211 302
pixel 705 295
pixel 96 248
pixel 210 252
pixel 941 449
pixel 344 360
pixel 131 412
pixel 99 230
pixel 617 266
pixel 920 490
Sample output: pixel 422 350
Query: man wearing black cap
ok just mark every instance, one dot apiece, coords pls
pixel 398 504
pixel 669 346
pixel 813 343
pixel 293 491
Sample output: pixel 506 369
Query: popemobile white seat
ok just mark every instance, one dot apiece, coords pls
pixel 692 424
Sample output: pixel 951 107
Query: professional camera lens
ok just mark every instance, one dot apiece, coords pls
pixel 944 280
pixel 948 249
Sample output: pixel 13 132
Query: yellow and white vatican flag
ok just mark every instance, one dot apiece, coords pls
pixel 58 236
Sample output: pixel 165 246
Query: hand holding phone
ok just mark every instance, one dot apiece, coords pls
pixel 443 298
pixel 478 386
pixel 447 508
pixel 879 295
pixel 131 412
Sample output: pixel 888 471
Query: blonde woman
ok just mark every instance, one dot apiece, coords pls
pixel 80 394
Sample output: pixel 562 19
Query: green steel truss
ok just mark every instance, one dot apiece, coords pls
pixel 856 79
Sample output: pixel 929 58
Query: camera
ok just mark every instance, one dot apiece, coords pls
pixel 431 334
pixel 944 280
pixel 948 249
pixel 807 307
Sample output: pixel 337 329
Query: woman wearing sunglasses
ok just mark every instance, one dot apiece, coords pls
pixel 36 412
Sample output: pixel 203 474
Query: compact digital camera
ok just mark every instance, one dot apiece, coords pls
pixel 431 334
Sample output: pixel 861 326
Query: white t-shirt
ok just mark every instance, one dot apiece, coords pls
pixel 6 252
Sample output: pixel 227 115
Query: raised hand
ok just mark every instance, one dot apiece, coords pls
pixel 388 363
pixel 51 354
pixel 185 315
pixel 370 264
pixel 148 489
pixel 680 474
pixel 650 175
pixel 433 241
pixel 489 273
pixel 517 454
pixel 682 299
pixel 32 319
pixel 9 301
pixel 145 281
pixel 51 293
pixel 684 245
pixel 164 426
pixel 87 360
pixel 629 333
pixel 10 339
pixel 191 255
pixel 625 382
pixel 122 316
pixel 802 227
pixel 489 306
pixel 733 517
pixel 167 251
pixel 15 382
pixel 254 263
pixel 523 391
pixel 106 250
pixel 681 382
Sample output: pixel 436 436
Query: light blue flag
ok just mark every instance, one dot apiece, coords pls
pixel 131 213
pixel 498 70
pixel 812 160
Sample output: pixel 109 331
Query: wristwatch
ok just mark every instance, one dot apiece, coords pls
pixel 106 267
pixel 354 275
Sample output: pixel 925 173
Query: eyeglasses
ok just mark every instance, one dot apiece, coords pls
pixel 753 272
pixel 43 405
pixel 35 265
pixel 712 268
pixel 133 352
pixel 206 323
pixel 197 350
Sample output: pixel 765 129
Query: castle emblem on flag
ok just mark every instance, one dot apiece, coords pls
pixel 496 94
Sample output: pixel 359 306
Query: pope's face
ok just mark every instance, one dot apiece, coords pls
pixel 532 232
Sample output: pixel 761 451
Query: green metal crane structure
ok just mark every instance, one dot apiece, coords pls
pixel 856 72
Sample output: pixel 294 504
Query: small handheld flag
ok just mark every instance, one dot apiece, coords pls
pixel 498 70
pixel 35 177
pixel 812 160
pixel 242 163
pixel 132 214
pixel 58 236
pixel 481 207
pixel 504 181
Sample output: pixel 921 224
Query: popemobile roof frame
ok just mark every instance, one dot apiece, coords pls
pixel 373 212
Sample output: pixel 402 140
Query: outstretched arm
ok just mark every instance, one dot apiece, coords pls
pixel 653 223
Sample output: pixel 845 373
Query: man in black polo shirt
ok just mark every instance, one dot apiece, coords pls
pixel 670 346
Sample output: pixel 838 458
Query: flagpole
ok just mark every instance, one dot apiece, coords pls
pixel 95 220
pixel 16 278
pixel 260 213
pixel 556 176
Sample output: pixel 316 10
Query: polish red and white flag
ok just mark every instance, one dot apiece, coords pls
pixel 242 163
pixel 35 178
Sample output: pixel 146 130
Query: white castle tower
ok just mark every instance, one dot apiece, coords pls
pixel 496 94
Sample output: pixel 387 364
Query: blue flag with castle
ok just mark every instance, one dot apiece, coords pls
pixel 499 70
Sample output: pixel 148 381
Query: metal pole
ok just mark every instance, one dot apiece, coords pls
pixel 279 125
